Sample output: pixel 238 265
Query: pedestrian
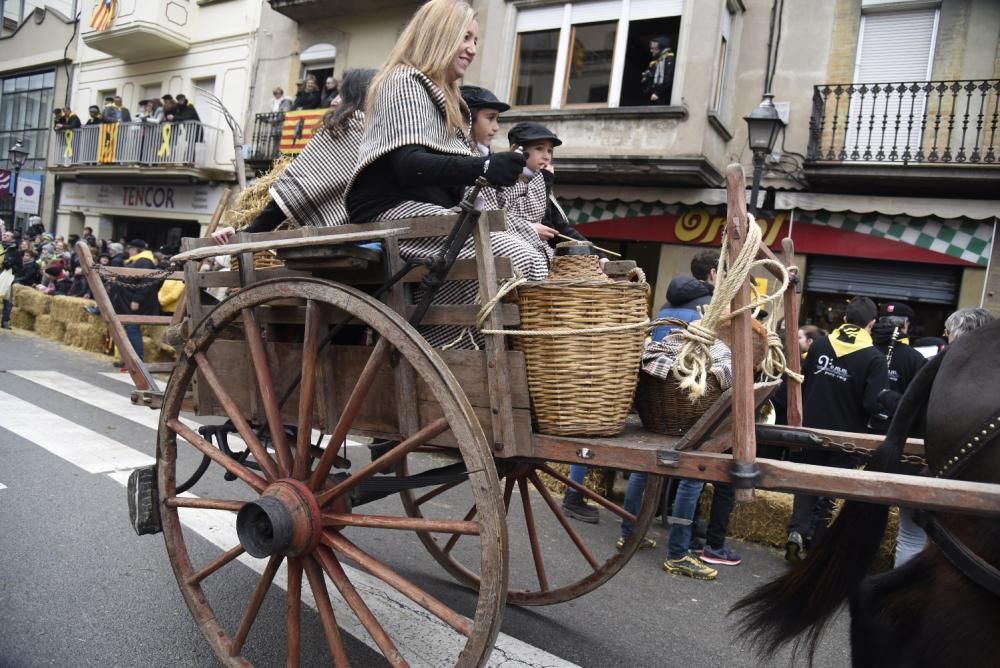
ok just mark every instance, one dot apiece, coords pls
pixel 138 296
pixel 116 254
pixel 844 375
pixel 658 77
pixel 185 111
pixel 310 97
pixel 889 334
pixel 111 113
pixel 66 119
pixel 415 157
pixel 10 267
pixel 808 334
pixel 311 190
pixel 280 102
pixel 330 91
pixel 95 115
pixel 124 115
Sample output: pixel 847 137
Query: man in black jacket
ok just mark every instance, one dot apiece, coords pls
pixel 844 375
pixel 139 297
pixel 890 336
pixel 11 260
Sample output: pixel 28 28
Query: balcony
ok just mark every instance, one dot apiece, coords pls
pixel 307 11
pixel 265 139
pixel 922 137
pixel 181 152
pixel 143 29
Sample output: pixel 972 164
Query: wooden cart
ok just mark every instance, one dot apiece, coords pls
pixel 444 422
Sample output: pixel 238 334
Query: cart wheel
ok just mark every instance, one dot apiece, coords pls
pixel 588 558
pixel 297 516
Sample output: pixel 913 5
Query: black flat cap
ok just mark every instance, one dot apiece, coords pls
pixel 525 133
pixel 138 243
pixel 897 309
pixel 481 98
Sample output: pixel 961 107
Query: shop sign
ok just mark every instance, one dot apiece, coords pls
pixel 699 226
pixel 702 226
pixel 162 199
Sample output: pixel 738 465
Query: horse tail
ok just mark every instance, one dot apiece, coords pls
pixel 809 593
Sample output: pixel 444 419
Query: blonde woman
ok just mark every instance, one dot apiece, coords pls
pixel 415 157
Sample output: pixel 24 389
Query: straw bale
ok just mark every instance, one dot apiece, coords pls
pixel 254 198
pixel 21 319
pixel 71 310
pixel 599 480
pixel 50 328
pixel 31 300
pixel 86 335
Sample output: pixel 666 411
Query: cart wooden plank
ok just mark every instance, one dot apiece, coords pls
pixel 296 242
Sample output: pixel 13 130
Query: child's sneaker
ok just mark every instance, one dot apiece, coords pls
pixel 723 556
pixel 692 567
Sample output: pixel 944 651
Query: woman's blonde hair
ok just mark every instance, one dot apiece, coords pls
pixel 429 43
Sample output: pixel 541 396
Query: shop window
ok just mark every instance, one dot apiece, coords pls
pixel 535 67
pixel 588 53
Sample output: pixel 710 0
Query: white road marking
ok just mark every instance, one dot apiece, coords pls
pixel 91 451
pixel 421 637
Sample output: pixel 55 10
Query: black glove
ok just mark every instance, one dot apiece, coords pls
pixel 549 178
pixel 502 169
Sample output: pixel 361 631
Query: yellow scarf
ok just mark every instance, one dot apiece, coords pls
pixel 847 339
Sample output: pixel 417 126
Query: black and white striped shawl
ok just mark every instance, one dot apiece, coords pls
pixel 312 191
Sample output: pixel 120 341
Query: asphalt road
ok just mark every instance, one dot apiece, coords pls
pixel 79 588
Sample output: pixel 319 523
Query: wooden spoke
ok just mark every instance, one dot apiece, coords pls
pixel 589 493
pixel 307 389
pixel 293 613
pixel 436 491
pixel 529 520
pixel 265 385
pixel 360 608
pixel 398 582
pixel 404 523
pixel 557 511
pixel 507 491
pixel 435 428
pixel 450 545
pixel 351 409
pixel 207 504
pixel 206 448
pixel 233 411
pixel 216 564
pixel 330 630
pixel 255 602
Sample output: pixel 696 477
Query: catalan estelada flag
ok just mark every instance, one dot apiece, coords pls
pixel 108 145
pixel 298 129
pixel 104 14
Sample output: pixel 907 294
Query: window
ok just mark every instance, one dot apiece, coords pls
pixel 14 12
pixel 26 104
pixel 588 53
pixel 151 91
pixel 722 67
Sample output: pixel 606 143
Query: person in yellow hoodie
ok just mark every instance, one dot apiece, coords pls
pixel 137 297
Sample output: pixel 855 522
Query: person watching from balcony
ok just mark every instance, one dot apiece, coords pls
pixel 185 110
pixel 658 77
pixel 415 157
pixel 309 97
pixel 111 113
pixel 280 102
pixel 311 190
pixel 66 119
pixel 330 91
pixel 169 107
pixel 95 115
pixel 124 115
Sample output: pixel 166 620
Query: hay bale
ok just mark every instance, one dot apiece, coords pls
pixel 86 335
pixel 50 328
pixel 31 300
pixel 252 199
pixel 598 480
pixel 21 319
pixel 72 310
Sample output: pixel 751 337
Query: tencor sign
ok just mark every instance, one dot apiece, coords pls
pixel 156 200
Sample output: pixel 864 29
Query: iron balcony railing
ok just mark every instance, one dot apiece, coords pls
pixel 920 122
pixel 266 138
pixel 186 143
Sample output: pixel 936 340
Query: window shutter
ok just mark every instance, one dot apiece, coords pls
pixel 540 18
pixel 896 46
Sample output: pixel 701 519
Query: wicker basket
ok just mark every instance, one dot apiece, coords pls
pixel 582 384
pixel 264 259
pixel 665 408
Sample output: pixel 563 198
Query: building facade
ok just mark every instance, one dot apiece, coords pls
pixel 158 181
pixel 37 44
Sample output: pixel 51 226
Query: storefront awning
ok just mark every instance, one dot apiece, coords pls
pixel 916 207
pixel 689 196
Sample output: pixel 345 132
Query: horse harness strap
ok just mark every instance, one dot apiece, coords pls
pixel 962 558
pixel 975 441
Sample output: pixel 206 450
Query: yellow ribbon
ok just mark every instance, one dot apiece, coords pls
pixel 165 146
pixel 68 151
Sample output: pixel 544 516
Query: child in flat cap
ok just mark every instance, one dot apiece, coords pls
pixel 531 198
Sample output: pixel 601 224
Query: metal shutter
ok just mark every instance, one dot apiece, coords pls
pixel 884 281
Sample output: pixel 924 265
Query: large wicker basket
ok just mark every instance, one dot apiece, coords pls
pixel 582 384
pixel 665 408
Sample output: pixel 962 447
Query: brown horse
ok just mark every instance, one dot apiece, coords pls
pixel 943 607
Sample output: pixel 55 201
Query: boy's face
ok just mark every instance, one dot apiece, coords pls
pixel 485 125
pixel 538 155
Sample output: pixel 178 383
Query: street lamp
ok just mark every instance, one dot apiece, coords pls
pixel 17 155
pixel 763 126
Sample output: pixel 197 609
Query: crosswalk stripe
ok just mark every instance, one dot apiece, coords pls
pixel 424 639
pixel 91 451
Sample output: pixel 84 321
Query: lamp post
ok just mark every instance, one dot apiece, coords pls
pixel 763 126
pixel 17 156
